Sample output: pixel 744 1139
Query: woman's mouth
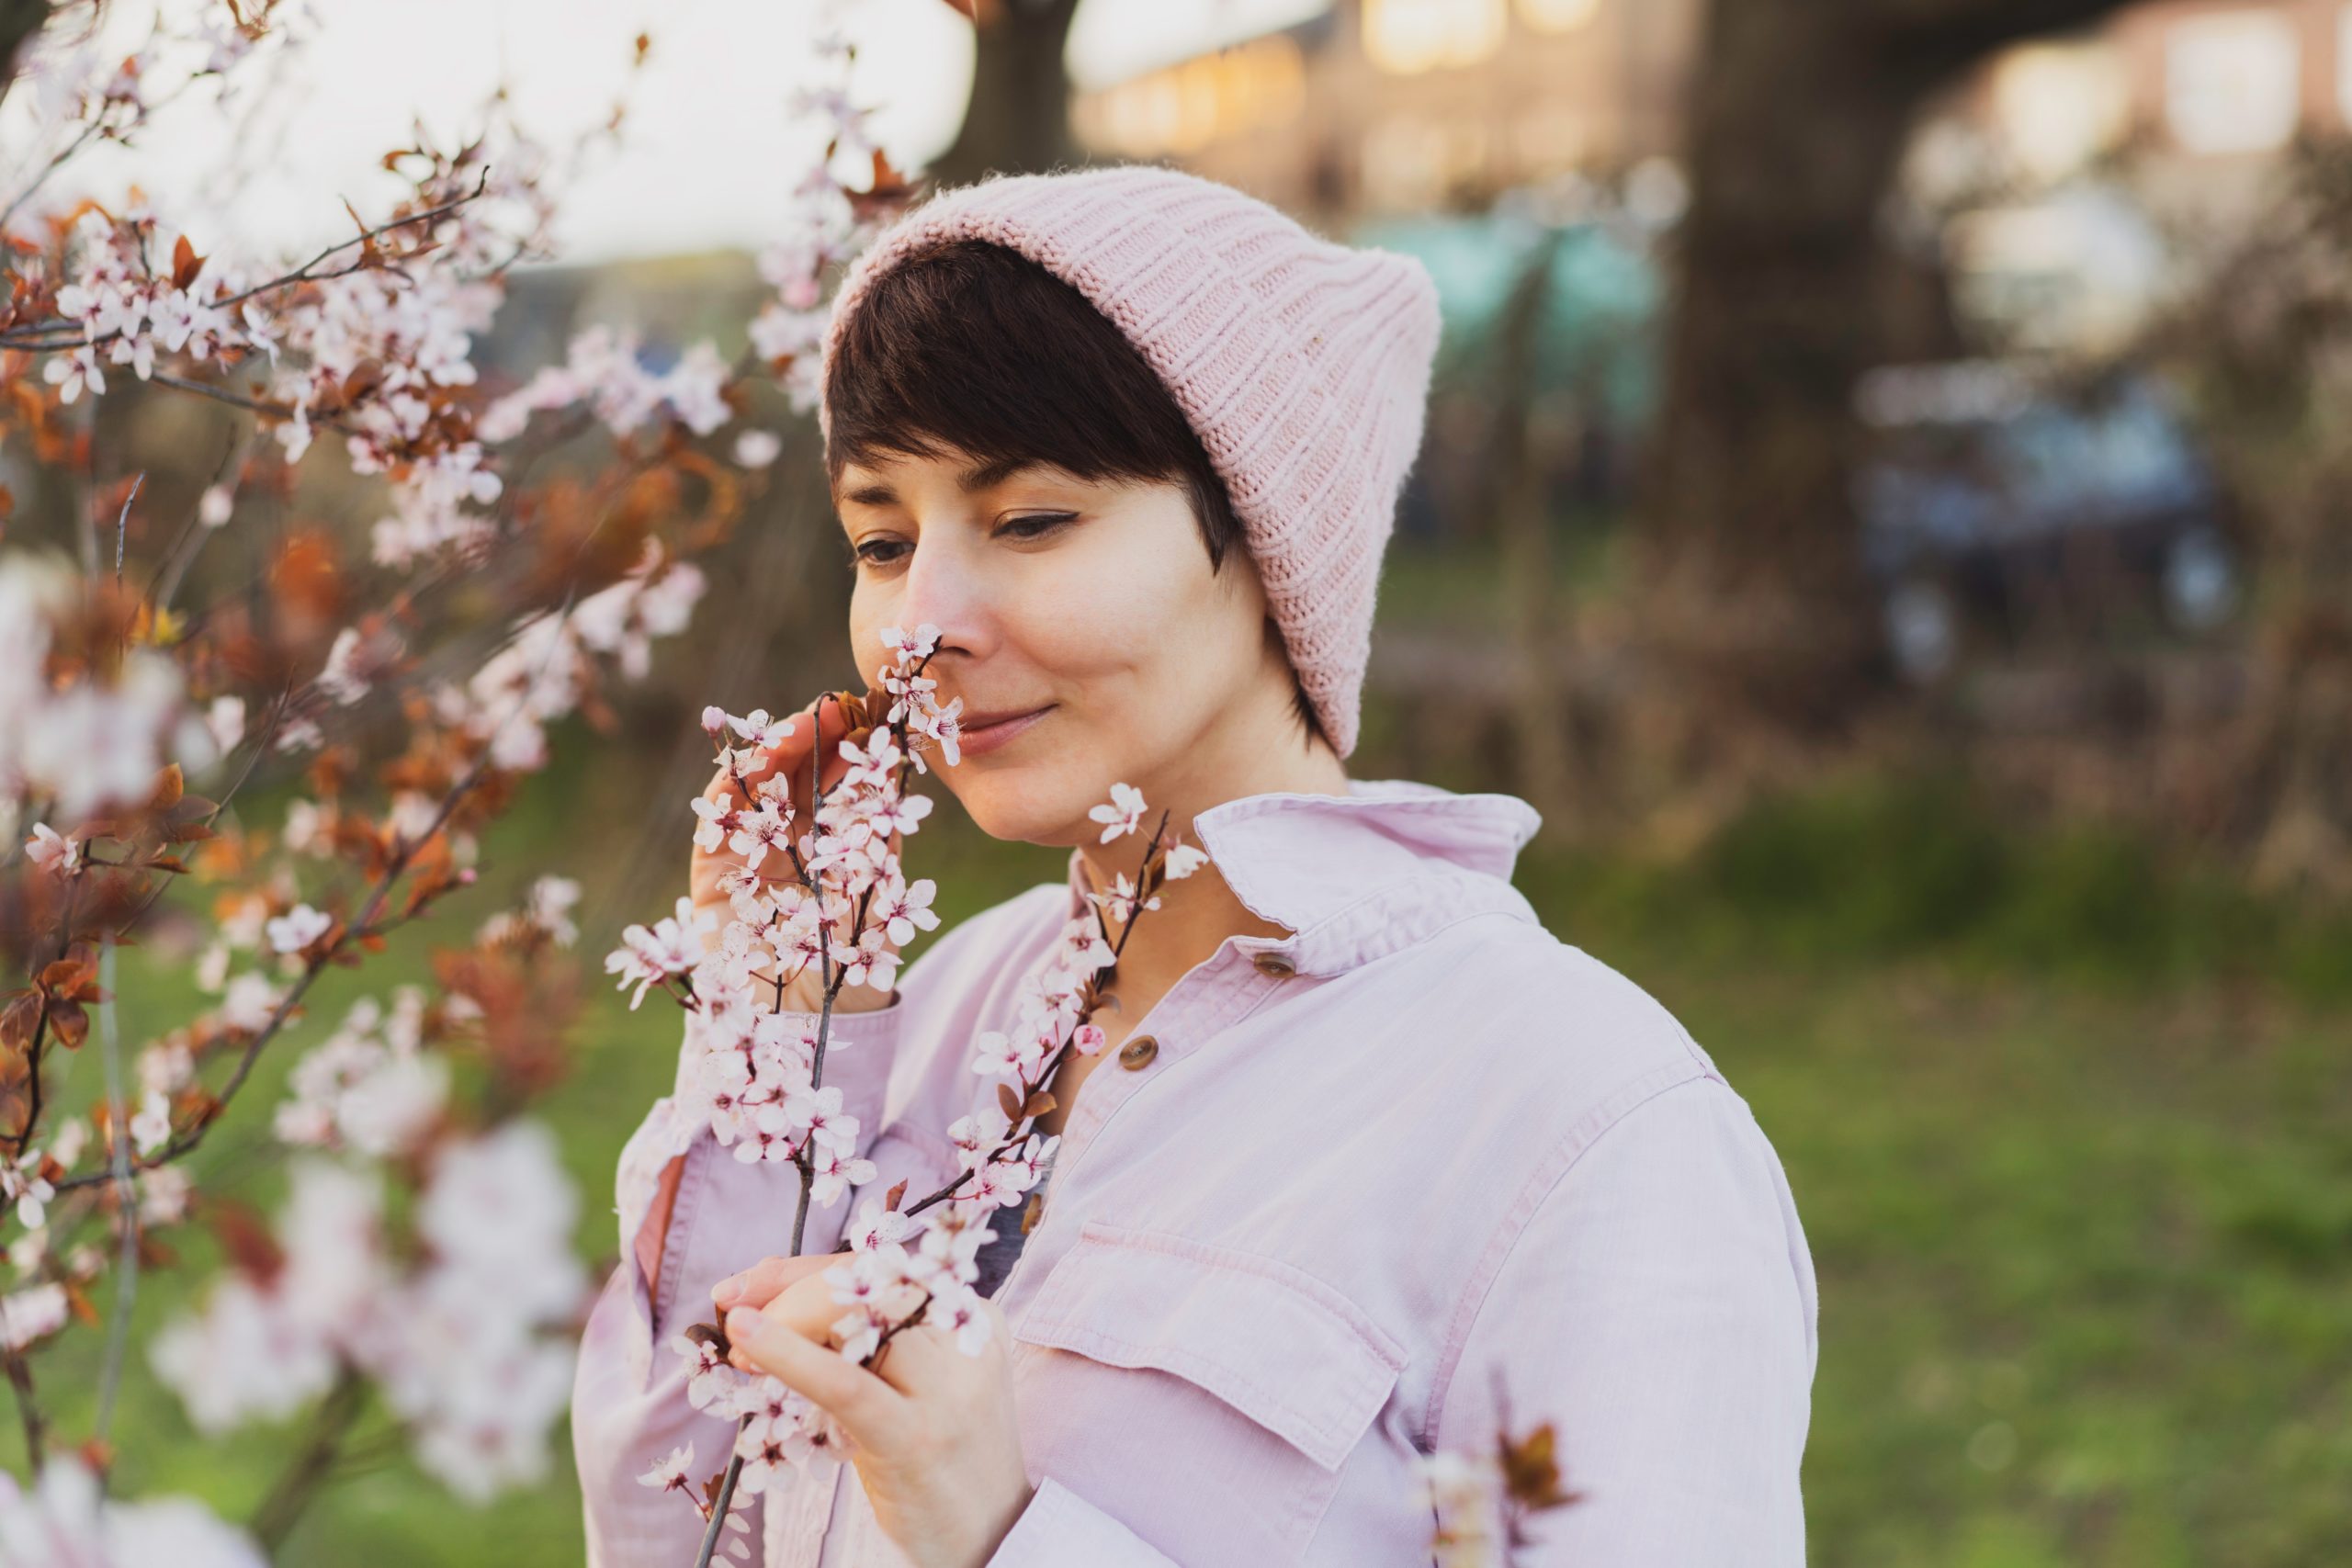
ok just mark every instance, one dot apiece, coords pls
pixel 995 730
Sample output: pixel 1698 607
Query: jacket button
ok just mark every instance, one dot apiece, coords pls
pixel 1273 964
pixel 1136 1054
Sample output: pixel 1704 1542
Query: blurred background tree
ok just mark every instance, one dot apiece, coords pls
pixel 1799 115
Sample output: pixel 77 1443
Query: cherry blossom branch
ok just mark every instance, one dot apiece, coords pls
pixel 831 977
pixel 321 1446
pixel 1018 1133
pixel 63 155
pixel 260 749
pixel 23 1136
pixel 188 1139
pixel 20 1379
pixel 125 1289
pixel 41 337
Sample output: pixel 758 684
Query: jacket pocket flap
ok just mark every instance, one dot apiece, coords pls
pixel 1277 1344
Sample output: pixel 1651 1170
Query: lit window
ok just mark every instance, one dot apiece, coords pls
pixel 2231 82
pixel 1407 36
pixel 1557 15
pixel 1258 86
pixel 1411 163
pixel 2059 105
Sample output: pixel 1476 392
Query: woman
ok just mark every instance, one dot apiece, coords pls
pixel 1376 1165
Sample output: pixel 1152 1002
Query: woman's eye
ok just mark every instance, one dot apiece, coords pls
pixel 879 552
pixel 1037 526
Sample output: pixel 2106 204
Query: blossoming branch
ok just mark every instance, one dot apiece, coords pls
pixel 816 889
pixel 190 644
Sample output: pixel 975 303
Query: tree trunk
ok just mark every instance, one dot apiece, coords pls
pixel 1755 592
pixel 19 20
pixel 1536 619
pixel 1019 118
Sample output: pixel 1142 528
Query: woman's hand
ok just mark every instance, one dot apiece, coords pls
pixel 822 719
pixel 932 1428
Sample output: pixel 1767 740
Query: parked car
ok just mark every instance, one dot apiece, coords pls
pixel 1992 501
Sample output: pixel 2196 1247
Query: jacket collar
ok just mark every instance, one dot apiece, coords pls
pixel 1364 873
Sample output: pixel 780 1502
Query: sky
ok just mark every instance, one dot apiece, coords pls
pixel 708 156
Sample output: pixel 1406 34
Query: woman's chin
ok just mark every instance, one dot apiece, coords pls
pixel 1015 804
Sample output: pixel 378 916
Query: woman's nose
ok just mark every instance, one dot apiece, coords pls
pixel 942 589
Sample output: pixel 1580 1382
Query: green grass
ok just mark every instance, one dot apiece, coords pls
pixel 2068 1125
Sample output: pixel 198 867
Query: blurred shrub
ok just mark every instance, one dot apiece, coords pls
pixel 1921 867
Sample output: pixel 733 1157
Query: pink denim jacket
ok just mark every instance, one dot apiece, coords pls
pixel 1417 1156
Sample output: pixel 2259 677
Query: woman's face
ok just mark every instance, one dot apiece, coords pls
pixel 1085 614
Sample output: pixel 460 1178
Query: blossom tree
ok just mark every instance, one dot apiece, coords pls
pixel 166 662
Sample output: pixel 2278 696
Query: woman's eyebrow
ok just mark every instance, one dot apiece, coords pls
pixel 972 481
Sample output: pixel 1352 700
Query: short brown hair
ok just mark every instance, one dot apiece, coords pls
pixel 971 345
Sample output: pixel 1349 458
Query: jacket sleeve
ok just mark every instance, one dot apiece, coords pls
pixel 1061 1529
pixel 628 1403
pixel 1658 1309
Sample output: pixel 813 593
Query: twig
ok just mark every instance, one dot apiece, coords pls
pixel 20 1378
pixel 51 167
pixel 403 857
pixel 122 522
pixel 831 978
pixel 274 1519
pixel 126 1195
pixel 1018 1133
pixel 23 1136
pixel 45 337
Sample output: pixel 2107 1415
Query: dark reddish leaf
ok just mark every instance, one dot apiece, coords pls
pixel 245 1236
pixel 1531 1470
pixel 17 1018
pixel 1010 1101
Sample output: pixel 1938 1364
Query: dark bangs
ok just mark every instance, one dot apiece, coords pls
pixel 970 347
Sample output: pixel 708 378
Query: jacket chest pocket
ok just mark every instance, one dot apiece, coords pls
pixel 1204 1397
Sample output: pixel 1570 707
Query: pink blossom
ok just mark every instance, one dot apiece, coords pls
pixel 1184 860
pixel 71 373
pixel 1123 812
pixel 669 1473
pixel 761 732
pixel 56 854
pixel 648 956
pixel 298 928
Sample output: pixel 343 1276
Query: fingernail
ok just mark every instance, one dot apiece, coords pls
pixel 742 1324
pixel 727 1289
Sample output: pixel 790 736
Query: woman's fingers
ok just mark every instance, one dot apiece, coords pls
pixel 911 1356
pixel 766 1279
pixel 854 1396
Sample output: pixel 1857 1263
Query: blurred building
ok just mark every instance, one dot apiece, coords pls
pixel 2195 89
pixel 1372 107
pixel 2086 168
pixel 2078 161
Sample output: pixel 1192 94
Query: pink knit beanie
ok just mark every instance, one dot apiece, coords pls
pixel 1302 365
